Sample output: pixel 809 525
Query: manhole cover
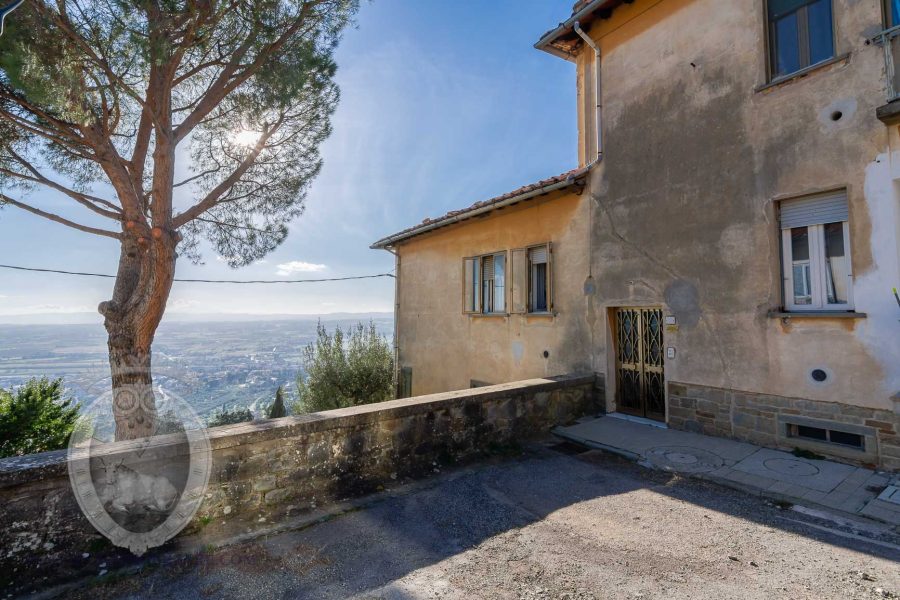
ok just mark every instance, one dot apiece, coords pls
pixel 684 458
pixel 681 458
pixel 789 466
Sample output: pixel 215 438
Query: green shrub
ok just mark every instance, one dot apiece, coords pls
pixel 341 373
pixel 225 416
pixel 35 418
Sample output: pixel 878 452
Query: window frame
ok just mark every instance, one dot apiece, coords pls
pixel 887 14
pixel 803 44
pixel 549 276
pixel 479 300
pixel 525 252
pixel 509 274
pixel 817 269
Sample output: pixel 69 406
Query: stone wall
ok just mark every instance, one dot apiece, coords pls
pixel 263 470
pixel 764 419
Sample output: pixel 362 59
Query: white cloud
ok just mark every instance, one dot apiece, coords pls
pixel 298 266
pixel 183 304
pixel 56 308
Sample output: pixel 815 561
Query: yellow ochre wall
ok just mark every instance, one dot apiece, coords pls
pixel 447 349
pixel 698 150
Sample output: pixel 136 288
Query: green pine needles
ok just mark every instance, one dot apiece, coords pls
pixel 35 418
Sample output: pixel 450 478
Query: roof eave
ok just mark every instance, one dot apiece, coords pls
pixel 546 43
pixel 385 243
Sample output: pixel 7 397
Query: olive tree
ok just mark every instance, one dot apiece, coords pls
pixel 121 93
pixel 345 370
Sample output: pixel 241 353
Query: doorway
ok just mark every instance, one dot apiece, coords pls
pixel 640 376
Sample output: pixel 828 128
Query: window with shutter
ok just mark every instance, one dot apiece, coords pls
pixel 815 233
pixel 485 287
pixel 539 279
pixel 493 283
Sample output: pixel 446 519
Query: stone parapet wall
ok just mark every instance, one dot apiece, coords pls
pixel 263 469
pixel 764 419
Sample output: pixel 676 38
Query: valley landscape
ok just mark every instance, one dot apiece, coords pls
pixel 208 363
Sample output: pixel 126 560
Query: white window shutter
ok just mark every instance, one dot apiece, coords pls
pixel 816 210
pixel 487 267
pixel 538 254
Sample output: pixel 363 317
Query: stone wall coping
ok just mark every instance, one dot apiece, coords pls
pixel 21 469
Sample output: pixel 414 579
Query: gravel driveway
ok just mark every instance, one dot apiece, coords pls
pixel 553 523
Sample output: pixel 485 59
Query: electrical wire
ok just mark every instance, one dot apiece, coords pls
pixel 237 281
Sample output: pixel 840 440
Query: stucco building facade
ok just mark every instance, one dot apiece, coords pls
pixel 725 252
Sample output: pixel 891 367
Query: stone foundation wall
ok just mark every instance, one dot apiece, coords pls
pixel 764 420
pixel 265 469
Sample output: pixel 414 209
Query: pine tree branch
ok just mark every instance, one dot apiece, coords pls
pixel 230 78
pixel 85 199
pixel 212 198
pixel 4 199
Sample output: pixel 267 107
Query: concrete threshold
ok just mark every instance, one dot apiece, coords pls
pixel 854 492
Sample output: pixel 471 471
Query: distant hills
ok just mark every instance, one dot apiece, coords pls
pixel 91 318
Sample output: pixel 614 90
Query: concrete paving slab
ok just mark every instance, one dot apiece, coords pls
pixel 639 439
pixel 760 471
pixel 891 494
pixel 821 475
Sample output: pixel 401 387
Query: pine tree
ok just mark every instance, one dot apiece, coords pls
pixel 101 102
pixel 35 418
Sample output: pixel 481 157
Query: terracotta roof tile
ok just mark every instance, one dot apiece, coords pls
pixel 429 224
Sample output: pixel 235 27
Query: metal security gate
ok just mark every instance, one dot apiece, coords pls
pixel 640 380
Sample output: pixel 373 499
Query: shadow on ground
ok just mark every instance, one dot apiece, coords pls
pixel 497 528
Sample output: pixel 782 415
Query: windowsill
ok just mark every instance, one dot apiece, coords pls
pixel 889 113
pixel 802 72
pixel 817 314
pixel 540 315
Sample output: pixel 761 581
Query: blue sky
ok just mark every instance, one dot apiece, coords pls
pixel 444 102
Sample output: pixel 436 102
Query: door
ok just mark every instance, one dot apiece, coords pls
pixel 640 380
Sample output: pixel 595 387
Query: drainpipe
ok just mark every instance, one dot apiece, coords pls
pixel 589 286
pixel 396 322
pixel 597 95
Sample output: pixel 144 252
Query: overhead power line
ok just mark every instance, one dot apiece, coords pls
pixel 17 268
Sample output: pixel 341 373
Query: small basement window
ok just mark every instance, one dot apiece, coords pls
pixel 828 436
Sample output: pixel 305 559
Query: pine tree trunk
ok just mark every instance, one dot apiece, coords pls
pixel 143 282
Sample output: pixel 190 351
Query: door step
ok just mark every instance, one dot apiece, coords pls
pixel 641 420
